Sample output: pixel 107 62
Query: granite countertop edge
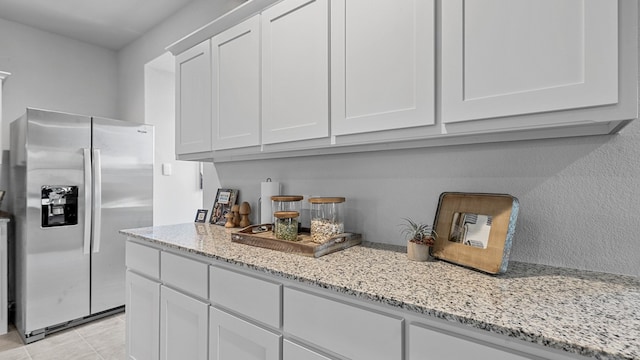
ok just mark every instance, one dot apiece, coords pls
pixel 518 332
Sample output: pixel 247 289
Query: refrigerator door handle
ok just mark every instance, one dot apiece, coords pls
pixel 97 200
pixel 87 201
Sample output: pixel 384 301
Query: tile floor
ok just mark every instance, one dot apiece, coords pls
pixel 102 339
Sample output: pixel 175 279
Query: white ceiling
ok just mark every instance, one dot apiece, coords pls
pixel 108 23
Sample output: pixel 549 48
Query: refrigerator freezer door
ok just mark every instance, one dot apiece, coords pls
pixel 125 189
pixel 52 268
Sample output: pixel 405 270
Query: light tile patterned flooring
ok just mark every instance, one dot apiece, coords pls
pixel 102 339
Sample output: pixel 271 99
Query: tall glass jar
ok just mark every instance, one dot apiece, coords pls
pixel 286 225
pixel 327 218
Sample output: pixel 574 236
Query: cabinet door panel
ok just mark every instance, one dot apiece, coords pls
pixel 295 63
pixel 497 59
pixel 382 65
pixel 193 100
pixel 184 325
pixel 143 318
pixel 233 338
pixel 426 344
pixel 236 85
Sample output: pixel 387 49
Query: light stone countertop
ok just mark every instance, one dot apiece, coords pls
pixel 589 313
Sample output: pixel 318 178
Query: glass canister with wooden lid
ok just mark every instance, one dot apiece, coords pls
pixel 285 203
pixel 286 225
pixel 327 218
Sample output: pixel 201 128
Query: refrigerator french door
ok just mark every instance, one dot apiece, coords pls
pixel 84 178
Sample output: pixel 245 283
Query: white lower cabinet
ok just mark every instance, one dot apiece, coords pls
pixel 250 316
pixel 184 325
pixel 143 317
pixel 232 338
pixel 293 351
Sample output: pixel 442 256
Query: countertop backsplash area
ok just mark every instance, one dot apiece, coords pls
pixel 577 195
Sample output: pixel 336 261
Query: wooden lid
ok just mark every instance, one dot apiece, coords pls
pixel 286 197
pixel 286 214
pixel 326 200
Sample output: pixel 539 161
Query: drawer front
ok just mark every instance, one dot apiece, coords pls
pixel 344 329
pixel 143 259
pixel 185 274
pixel 252 297
pixel 438 345
pixel 293 351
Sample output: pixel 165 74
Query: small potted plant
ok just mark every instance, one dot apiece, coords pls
pixel 420 238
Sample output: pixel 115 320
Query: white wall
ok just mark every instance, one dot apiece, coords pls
pixel 177 196
pixel 56 73
pixel 132 58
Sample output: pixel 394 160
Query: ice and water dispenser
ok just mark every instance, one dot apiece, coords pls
pixel 59 205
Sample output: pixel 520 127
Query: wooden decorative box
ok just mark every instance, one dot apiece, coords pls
pixel 475 230
pixel 262 236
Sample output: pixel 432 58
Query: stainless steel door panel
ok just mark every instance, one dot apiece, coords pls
pixel 55 270
pixel 126 156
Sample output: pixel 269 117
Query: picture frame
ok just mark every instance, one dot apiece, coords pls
pixel 201 216
pixel 475 230
pixel 225 199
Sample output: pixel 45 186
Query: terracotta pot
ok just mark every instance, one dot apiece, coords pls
pixel 418 252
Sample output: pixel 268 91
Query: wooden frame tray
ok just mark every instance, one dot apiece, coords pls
pixel 482 243
pixel 262 236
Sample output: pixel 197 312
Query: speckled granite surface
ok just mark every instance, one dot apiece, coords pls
pixel 592 314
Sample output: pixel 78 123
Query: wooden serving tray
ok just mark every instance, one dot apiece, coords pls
pixel 262 236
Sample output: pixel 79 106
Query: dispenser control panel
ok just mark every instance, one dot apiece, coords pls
pixel 59 205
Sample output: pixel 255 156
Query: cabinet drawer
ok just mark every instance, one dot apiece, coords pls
pixel 293 351
pixel 252 297
pixel 345 329
pixel 185 274
pixel 438 345
pixel 143 259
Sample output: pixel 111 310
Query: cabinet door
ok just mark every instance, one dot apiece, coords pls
pixel 236 86
pixel 427 344
pixel 233 338
pixel 504 57
pixel 193 100
pixel 143 317
pixel 295 65
pixel 184 324
pixel 382 65
pixel 293 351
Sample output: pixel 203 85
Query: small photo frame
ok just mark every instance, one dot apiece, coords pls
pixel 225 199
pixel 201 215
pixel 475 230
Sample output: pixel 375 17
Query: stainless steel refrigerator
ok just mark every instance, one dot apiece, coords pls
pixel 75 181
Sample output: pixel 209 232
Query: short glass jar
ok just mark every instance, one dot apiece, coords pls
pixel 286 225
pixel 286 203
pixel 327 218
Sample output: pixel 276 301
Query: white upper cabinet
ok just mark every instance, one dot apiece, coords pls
pixel 193 100
pixel 236 86
pixel 295 65
pixel 382 65
pixel 512 57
